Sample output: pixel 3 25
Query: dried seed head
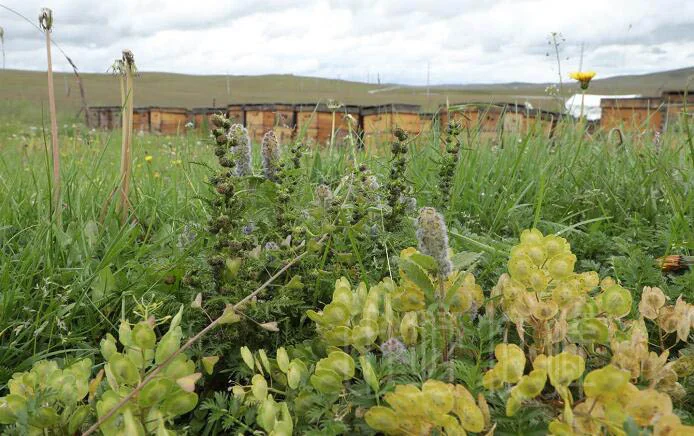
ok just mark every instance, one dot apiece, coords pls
pixel 128 58
pixel 46 19
pixel 334 105
pixel 270 151
pixel 433 238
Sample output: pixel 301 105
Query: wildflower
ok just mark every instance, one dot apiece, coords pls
pixel 393 347
pixel 241 149
pixel 372 183
pixel 148 158
pixel 324 194
pixel 271 246
pixel 270 150
pixel 432 235
pixel 583 77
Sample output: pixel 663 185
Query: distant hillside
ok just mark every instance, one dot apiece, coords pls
pixel 23 93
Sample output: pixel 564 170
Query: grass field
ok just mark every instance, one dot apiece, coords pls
pixel 227 299
pixel 65 287
pixel 23 93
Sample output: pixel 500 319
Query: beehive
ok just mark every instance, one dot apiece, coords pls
pixel 480 121
pixel 675 103
pixel 640 113
pixel 260 118
pixel 236 114
pixel 522 120
pixel 141 120
pixel 314 123
pixel 200 117
pixel 103 117
pixel 168 120
pixel 380 121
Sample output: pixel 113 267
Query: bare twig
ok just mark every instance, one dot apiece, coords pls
pixel 190 342
pixel 128 66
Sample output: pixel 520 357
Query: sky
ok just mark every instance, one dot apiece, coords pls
pixel 399 41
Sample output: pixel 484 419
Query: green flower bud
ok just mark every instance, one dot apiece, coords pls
pixel 282 359
pixel 108 346
pixel 259 387
pixel 143 336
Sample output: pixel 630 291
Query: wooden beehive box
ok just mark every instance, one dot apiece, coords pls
pixel 380 121
pixel 93 117
pixel 236 114
pixel 314 123
pixel 261 118
pixel 639 113
pixel 200 117
pixel 106 117
pixel 521 120
pixel 141 120
pixel 168 120
pixel 675 102
pixel 480 120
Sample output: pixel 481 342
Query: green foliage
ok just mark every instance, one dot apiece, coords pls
pixel 65 289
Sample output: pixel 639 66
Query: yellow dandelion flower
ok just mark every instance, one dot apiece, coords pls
pixel 583 77
pixel 148 158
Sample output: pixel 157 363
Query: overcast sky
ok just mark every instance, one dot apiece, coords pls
pixel 462 41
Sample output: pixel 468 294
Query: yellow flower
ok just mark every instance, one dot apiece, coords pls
pixel 583 77
pixel 148 158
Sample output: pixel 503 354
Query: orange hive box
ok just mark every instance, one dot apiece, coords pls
pixel 520 120
pixel 168 120
pixel 237 114
pixel 675 102
pixel 314 123
pixel 200 117
pixel 261 118
pixel 141 120
pixel 480 121
pixel 380 121
pixel 639 113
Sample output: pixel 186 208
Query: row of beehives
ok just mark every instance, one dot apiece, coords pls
pixel 645 113
pixel 319 124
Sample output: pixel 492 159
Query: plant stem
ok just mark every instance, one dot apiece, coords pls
pixel 54 133
pixel 126 158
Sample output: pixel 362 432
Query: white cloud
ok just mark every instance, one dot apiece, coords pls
pixel 464 41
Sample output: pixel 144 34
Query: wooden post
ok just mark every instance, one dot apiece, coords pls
pixel 46 24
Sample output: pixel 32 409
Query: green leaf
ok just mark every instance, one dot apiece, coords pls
pixel 464 260
pixel 425 261
pixel 418 276
pixel 103 285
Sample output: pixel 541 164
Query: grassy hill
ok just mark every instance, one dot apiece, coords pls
pixel 23 93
